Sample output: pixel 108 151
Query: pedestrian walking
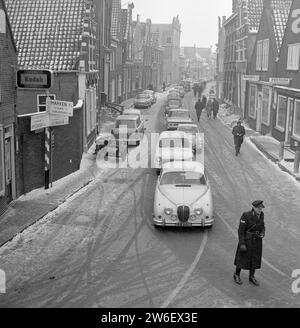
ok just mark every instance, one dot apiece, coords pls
pixel 215 108
pixel 204 101
pixel 249 251
pixel 209 108
pixel 164 86
pixel 199 107
pixel 200 90
pixel 239 132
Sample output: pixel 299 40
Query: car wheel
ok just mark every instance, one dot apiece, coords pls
pixel 158 228
pixel 138 143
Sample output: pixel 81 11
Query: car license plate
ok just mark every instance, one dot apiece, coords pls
pixel 183 224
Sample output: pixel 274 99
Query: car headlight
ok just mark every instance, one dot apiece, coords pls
pixel 198 211
pixel 159 160
pixel 174 217
pixel 193 217
pixel 168 211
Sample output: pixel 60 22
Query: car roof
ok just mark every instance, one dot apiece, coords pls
pixel 148 91
pixel 172 134
pixel 128 117
pixel 188 125
pixel 183 166
pixel 131 112
pixel 178 110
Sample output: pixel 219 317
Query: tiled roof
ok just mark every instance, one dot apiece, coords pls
pixel 116 19
pixel 254 11
pixel 47 33
pixel 280 14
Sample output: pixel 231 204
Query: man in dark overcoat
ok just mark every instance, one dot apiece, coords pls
pixel 239 132
pixel 204 101
pixel 199 107
pixel 249 251
pixel 215 108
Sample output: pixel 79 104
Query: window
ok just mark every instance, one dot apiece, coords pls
pixel 41 102
pixel 266 104
pixel 252 101
pixel 2 21
pixel 169 40
pixel 265 55
pixel 296 128
pixel 258 55
pixel 293 56
pixel 281 113
pixel 2 178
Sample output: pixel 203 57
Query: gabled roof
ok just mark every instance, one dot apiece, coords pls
pixel 280 15
pixel 116 19
pixel 47 33
pixel 254 10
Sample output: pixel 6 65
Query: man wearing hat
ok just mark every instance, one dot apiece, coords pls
pixel 239 132
pixel 249 251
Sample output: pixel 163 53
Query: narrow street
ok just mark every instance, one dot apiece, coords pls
pixel 100 248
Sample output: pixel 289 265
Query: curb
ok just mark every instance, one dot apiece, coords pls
pixel 273 159
pixel 55 207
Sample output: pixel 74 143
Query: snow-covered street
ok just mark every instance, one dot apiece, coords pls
pixel 100 249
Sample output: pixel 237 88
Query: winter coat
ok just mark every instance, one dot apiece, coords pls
pixel 239 133
pixel 204 101
pixel 215 106
pixel 199 108
pixel 209 106
pixel 251 259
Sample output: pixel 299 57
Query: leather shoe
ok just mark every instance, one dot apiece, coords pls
pixel 237 279
pixel 253 281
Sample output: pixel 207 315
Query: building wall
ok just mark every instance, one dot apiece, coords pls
pixel 8 62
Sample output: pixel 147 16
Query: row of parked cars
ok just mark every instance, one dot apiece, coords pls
pixel 145 99
pixel 183 195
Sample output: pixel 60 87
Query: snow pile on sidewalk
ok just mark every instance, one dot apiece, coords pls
pixel 228 116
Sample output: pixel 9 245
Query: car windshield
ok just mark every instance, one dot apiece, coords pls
pixel 129 124
pixel 179 114
pixel 142 96
pixel 183 178
pixel 174 103
pixel 174 143
pixel 189 129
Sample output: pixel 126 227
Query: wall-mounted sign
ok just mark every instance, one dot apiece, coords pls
pixel 58 107
pixel 56 120
pixel 34 79
pixel 253 78
pixel 296 22
pixel 280 80
pixel 39 121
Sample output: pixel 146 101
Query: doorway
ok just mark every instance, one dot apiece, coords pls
pixel 259 112
pixel 9 163
pixel 289 121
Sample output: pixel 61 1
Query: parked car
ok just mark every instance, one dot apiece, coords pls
pixel 151 93
pixel 173 94
pixel 172 104
pixel 134 127
pixel 180 90
pixel 132 111
pixel 142 101
pixel 178 116
pixel 183 196
pixel 172 146
pixel 194 135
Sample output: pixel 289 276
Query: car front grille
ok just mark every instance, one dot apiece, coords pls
pixel 183 213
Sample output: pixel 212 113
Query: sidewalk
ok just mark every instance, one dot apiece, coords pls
pixel 268 145
pixel 30 208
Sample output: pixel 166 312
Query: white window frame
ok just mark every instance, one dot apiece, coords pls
pixel 52 96
pixel 259 55
pixel 296 136
pixel 278 127
pixel 2 191
pixel 2 21
pixel 269 105
pixel 293 57
pixel 252 115
pixel 265 55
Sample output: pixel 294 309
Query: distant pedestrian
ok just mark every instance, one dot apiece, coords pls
pixel 199 107
pixel 239 132
pixel 164 86
pixel 200 90
pixel 249 251
pixel 215 108
pixel 209 107
pixel 204 101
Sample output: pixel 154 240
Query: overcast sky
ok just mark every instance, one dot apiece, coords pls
pixel 199 18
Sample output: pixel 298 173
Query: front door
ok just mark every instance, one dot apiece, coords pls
pixel 259 112
pixel 289 121
pixel 8 168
